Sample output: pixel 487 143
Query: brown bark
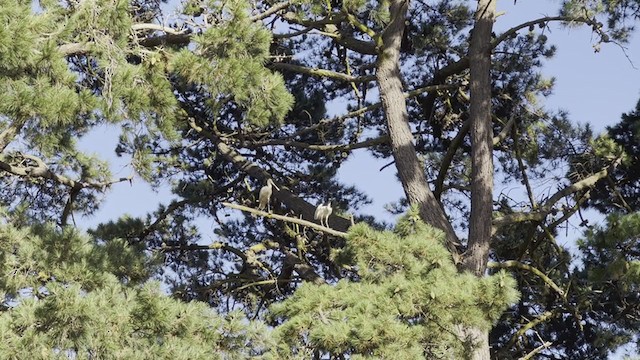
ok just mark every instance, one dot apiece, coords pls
pixel 393 101
pixel 481 160
pixel 481 139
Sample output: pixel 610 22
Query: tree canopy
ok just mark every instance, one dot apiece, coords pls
pixel 213 99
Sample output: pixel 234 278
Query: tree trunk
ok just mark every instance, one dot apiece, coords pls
pixel 481 158
pixel 481 140
pixel 410 170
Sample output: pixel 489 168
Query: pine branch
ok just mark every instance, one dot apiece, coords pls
pixel 321 73
pixel 536 271
pixel 548 206
pixel 327 26
pixel 533 352
pixel 293 201
pixel 175 205
pixel 213 246
pixel 366 109
pixel 528 326
pixel 157 27
pixel 326 148
pixel 10 133
pixel 41 170
pixel 287 219
pixel 512 31
pixel 270 11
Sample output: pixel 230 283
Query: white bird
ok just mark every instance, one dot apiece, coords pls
pixel 322 213
pixel 265 195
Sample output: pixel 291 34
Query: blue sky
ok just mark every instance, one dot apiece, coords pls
pixel 593 87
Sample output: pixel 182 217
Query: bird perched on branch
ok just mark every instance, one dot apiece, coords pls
pixel 322 213
pixel 265 195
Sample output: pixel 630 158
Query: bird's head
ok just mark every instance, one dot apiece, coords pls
pixel 270 182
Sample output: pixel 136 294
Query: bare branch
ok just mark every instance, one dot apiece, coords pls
pixel 270 11
pixel 547 207
pixel 213 246
pixel 75 48
pixel 157 27
pixel 68 208
pixel 511 32
pixel 292 34
pixel 41 170
pixel 304 270
pixel 170 209
pixel 505 130
pixel 10 133
pixel 327 148
pixel 533 352
pixel 540 319
pixel 583 184
pixel 364 110
pixel 287 219
pixel 293 201
pixel 536 271
pixel 448 158
pixel 178 204
pixel 327 26
pixel 321 73
pixel 523 170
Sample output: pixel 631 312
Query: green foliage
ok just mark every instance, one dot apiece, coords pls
pixel 64 296
pixel 605 249
pixel 626 176
pixel 408 302
pixel 229 61
pixel 69 66
pixel 34 79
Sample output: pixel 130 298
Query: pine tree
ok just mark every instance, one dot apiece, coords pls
pixel 65 295
pixel 406 304
pixel 218 97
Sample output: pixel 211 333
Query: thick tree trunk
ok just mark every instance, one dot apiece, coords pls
pixel 481 140
pixel 477 253
pixel 410 170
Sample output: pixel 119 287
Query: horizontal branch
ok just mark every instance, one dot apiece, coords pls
pixel 213 246
pixel 512 31
pixel 292 201
pixel 321 73
pixel 157 27
pixel 41 170
pixel 270 11
pixel 366 109
pixel 286 219
pixel 327 26
pixel 317 147
pixel 292 34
